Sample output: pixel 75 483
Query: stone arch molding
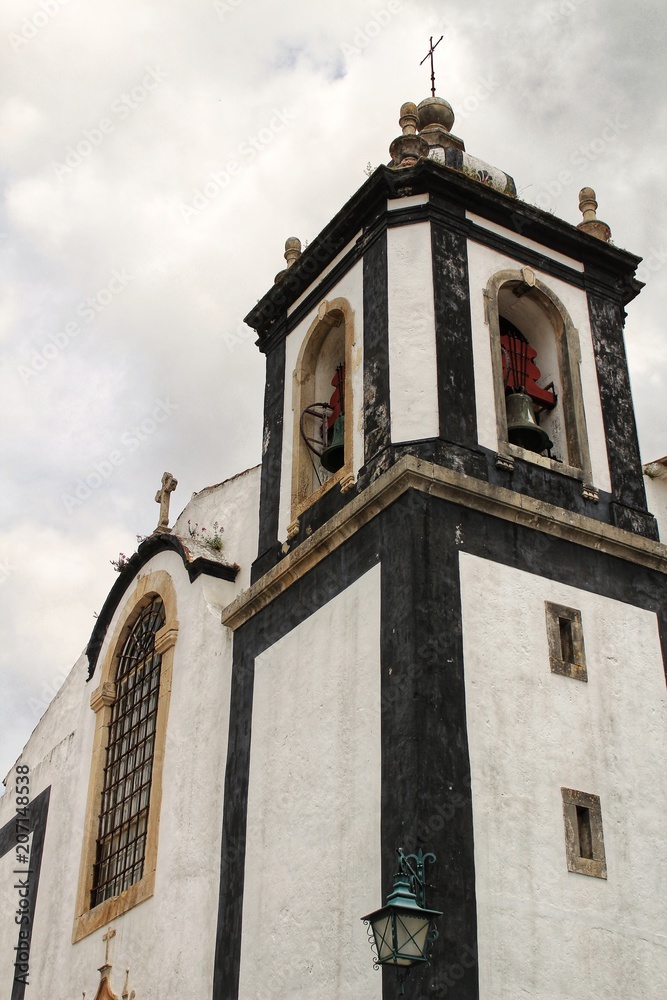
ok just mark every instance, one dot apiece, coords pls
pixel 154 584
pixel 333 325
pixel 557 324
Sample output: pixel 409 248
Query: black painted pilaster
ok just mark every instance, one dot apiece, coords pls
pixel 456 379
pixel 426 797
pixel 377 428
pixel 227 962
pixel 619 418
pixel 269 497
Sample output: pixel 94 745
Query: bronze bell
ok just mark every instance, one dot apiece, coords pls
pixel 522 427
pixel 333 455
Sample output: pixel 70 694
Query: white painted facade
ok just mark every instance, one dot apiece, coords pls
pixel 484 262
pixel 544 931
pixel 59 754
pixel 408 201
pixel 413 375
pixel 524 241
pixel 313 835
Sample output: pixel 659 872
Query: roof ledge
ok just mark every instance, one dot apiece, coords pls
pixel 151 546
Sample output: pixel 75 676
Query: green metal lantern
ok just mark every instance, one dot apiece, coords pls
pixel 403 927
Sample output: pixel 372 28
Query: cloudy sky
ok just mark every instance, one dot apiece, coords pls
pixel 155 156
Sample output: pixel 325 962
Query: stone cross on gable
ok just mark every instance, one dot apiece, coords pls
pixel 162 497
pixel 107 941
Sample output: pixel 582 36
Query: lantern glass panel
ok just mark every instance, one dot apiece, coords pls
pixel 383 937
pixel 411 933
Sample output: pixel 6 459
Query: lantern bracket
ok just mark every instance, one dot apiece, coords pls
pixel 415 871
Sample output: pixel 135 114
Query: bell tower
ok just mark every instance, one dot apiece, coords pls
pixel 453 639
pixel 456 324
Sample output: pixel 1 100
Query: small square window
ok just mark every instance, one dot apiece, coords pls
pixel 566 641
pixel 583 833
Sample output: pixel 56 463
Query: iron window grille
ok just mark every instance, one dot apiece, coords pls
pixel 121 843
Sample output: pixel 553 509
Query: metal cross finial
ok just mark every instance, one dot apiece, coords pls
pixel 169 484
pixel 430 53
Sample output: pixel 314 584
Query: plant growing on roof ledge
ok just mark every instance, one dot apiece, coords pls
pixel 213 540
pixel 121 562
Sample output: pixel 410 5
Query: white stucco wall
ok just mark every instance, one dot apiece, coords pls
pixel 524 241
pixel 313 836
pixel 484 262
pixel 182 914
pixel 234 504
pixel 413 373
pixel 350 287
pixel 544 932
pixel 407 201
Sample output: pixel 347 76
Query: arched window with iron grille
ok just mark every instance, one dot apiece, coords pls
pixel 121 842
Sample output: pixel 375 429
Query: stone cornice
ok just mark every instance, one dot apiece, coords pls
pixel 412 473
pixel 451 194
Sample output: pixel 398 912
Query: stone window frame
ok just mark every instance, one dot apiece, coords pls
pixel 87 919
pixel 570 390
pixel 575 668
pixel 597 865
pixel 330 314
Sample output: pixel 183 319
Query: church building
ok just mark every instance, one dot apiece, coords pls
pixel 410 668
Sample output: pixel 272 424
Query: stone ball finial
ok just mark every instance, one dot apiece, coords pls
pixel 292 254
pixel 409 119
pixel 587 203
pixel 407 150
pixel 435 112
pixel 292 250
pixel 591 224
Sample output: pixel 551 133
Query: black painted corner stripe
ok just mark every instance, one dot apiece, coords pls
pixel 36 822
pixel 376 402
pixel 453 337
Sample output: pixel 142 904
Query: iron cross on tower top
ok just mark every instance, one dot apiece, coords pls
pixel 430 53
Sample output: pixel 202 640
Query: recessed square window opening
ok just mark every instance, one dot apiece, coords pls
pixel 566 641
pixel 584 841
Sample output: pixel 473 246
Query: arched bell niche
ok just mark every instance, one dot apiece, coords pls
pixel 535 352
pixel 323 406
